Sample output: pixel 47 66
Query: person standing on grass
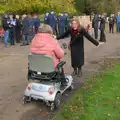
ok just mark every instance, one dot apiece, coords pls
pixel 5 25
pixel 102 29
pixel 76 45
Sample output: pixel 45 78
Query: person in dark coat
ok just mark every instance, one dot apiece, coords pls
pixel 36 22
pixel 61 23
pixel 52 20
pixel 25 30
pixel 77 34
pixel 67 21
pixel 18 29
pixel 32 30
pixel 12 24
pixel 111 23
pixel 102 29
pixel 46 18
pixel 95 25
pixel 5 26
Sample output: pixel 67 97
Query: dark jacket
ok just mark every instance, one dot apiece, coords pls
pixel 102 24
pixel 5 24
pixel 111 20
pixel 52 20
pixel 95 22
pixel 77 45
pixel 61 21
pixel 25 26
pixel 18 24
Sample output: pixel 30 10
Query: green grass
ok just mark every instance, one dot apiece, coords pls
pixel 98 99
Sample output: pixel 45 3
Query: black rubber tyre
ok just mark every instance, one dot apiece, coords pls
pixel 57 101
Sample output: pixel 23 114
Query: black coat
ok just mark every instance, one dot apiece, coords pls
pixel 95 22
pixel 25 26
pixel 77 46
pixel 102 24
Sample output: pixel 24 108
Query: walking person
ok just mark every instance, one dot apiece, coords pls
pixel 102 29
pixel 95 25
pixel 25 30
pixel 5 26
pixel 77 34
pixel 18 29
pixel 111 23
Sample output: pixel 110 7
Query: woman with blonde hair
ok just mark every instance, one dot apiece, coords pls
pixel 77 33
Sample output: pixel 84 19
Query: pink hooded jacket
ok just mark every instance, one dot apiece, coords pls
pixel 44 43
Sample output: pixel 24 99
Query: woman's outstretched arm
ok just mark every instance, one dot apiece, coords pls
pixel 91 39
pixel 64 35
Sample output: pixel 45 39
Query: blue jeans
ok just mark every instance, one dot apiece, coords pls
pixel 6 36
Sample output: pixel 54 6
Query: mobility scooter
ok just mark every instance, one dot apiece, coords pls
pixel 47 82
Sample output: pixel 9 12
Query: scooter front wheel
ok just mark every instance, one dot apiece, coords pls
pixel 56 104
pixel 71 87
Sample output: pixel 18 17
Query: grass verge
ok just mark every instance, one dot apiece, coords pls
pixel 98 99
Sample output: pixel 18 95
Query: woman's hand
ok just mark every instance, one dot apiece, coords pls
pixel 54 36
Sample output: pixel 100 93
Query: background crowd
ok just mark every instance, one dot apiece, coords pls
pixel 23 28
pixel 17 28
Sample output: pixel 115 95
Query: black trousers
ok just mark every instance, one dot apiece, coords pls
pixel 111 28
pixel 102 36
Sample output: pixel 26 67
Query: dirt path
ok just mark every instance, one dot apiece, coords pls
pixel 13 70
